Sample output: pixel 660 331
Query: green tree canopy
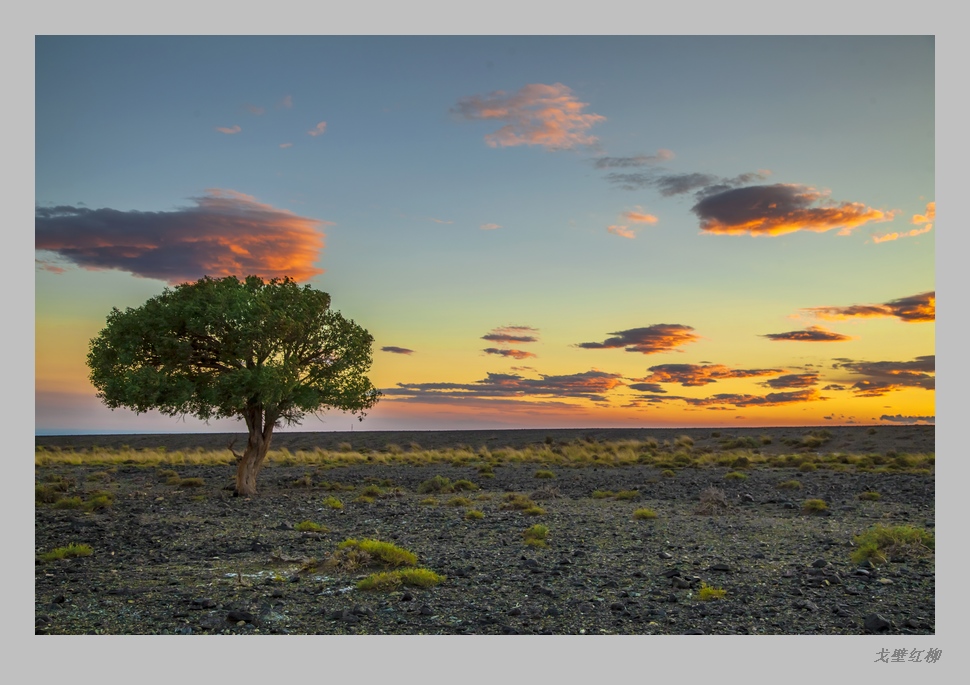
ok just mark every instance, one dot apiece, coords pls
pixel 266 351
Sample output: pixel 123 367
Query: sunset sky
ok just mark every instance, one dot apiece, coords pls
pixel 538 231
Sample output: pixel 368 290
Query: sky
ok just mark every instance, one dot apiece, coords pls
pixel 538 231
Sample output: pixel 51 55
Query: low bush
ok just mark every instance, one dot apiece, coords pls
pixel 70 551
pixel 310 527
pixel 644 513
pixel 869 496
pixel 708 592
pixel 536 535
pixel 880 544
pixel 814 506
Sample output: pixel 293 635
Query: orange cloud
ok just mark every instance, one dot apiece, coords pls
pixel 512 334
pixel 286 145
pixel 515 354
pixel 48 266
pixel 773 210
pixel 590 385
pixel 689 375
pixel 916 308
pixel 537 114
pixel 229 130
pixel 640 217
pixel 918 219
pixel 811 334
pixel 255 109
pixel 489 227
pixel 653 339
pixel 225 233
pixel 621 231
pixel 318 130
pixel 880 378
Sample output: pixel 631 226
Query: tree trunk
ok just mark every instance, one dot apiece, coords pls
pixel 260 436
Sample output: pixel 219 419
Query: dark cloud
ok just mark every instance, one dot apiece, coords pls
pixel 669 184
pixel 632 162
pixel 881 378
pixel 512 334
pixel 728 400
pixel 515 354
pixel 794 380
pixel 653 339
pixel 647 387
pixel 834 386
pixel 397 350
pixel 916 308
pixel 225 233
pixel 590 385
pixel 689 375
pixel 777 209
pixel 898 418
pixel 811 334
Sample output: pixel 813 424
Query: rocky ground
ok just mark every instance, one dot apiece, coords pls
pixel 171 559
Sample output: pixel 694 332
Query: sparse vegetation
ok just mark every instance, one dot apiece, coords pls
pixel 474 514
pixel 713 501
pixel 881 544
pixel 735 475
pixel 333 503
pixel 870 496
pixel 310 527
pixel 438 484
pixel 602 494
pixel 644 513
pixel 69 552
pixel 544 473
pixel 814 506
pixel 708 592
pixel 789 485
pixel 459 502
pixel 385 553
pixel 384 581
pixel 626 494
pixel 536 535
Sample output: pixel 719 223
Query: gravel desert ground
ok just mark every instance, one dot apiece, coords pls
pixel 172 551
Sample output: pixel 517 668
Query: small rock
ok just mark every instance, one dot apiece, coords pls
pixel 665 555
pixel 694 631
pixel 237 615
pixel 723 568
pixel 617 606
pixel 425 610
pixel 553 611
pixel 820 563
pixel 877 622
pixel 515 611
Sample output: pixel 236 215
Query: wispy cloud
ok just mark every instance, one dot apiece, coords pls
pixel 621 231
pixel 693 375
pixel 793 380
pixel 925 221
pixel 441 221
pixel 286 102
pixel 728 400
pixel 653 339
pixel 225 233
pixel 638 216
pixel 590 385
pixel 49 266
pixel 512 334
pixel 915 308
pixel 670 184
pixel 536 114
pixel 255 109
pixel 899 418
pixel 633 162
pixel 318 130
pixel 229 130
pixel 773 210
pixel 881 378
pixel 397 350
pixel 811 334
pixel 286 145
pixel 515 354
pixel 489 227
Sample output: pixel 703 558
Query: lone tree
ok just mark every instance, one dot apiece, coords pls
pixel 266 351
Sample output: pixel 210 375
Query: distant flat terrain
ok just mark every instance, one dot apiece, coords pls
pixel 851 439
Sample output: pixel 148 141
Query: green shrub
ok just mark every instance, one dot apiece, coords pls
pixel 191 483
pixel 371 491
pixel 534 511
pixel 516 501
pixel 735 475
pixel 708 592
pixel 626 494
pixel 644 513
pixel 807 466
pixel 99 500
pixel 72 550
pixel 391 580
pixel 364 499
pixel 384 552
pixel 69 503
pixel 668 473
pixel 814 506
pixel 602 494
pixel 333 503
pixel 473 514
pixel 880 544
pixel 459 502
pixel 869 496
pixel 789 485
pixel 429 501
pixel 543 473
pixel 438 484
pixel 310 527
pixel 463 485
pixel 536 535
